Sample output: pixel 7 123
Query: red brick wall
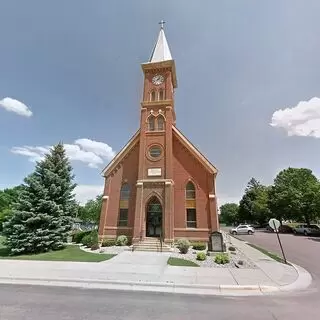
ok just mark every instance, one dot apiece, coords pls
pixel 127 172
pixel 185 167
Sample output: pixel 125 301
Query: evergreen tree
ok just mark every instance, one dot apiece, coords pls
pixel 42 217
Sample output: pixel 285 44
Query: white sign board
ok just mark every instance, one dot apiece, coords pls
pixel 274 223
pixel 154 172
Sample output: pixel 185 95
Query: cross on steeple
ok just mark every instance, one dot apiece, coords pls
pixel 162 22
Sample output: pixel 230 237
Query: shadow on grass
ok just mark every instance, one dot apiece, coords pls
pixel 4 252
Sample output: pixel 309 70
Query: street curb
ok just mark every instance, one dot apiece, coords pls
pixel 302 282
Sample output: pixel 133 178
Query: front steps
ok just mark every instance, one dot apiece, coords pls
pixel 151 244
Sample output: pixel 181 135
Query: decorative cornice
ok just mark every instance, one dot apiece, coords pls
pixel 148 104
pixel 105 197
pixel 212 196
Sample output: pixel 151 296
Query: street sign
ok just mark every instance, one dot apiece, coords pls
pixel 274 223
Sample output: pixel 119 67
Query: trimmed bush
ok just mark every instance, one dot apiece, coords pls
pixel 183 245
pixel 90 239
pixel 231 248
pixel 122 240
pixel 201 256
pixel 199 246
pixel 78 236
pixel 95 247
pixel 221 258
pixel 108 242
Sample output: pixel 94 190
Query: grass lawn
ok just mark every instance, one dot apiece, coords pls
pixel 181 262
pixel 269 254
pixel 70 253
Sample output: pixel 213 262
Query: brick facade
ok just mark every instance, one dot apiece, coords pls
pixel 156 203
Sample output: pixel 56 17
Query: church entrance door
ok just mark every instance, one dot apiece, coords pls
pixel 154 218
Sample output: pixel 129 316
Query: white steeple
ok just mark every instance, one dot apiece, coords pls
pixel 161 51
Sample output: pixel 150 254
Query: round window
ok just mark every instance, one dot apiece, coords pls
pixel 155 152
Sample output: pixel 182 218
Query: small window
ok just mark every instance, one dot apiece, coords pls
pixel 153 96
pixel 155 152
pixel 191 218
pixel 190 191
pixel 123 217
pixel 161 94
pixel 160 120
pixel 151 123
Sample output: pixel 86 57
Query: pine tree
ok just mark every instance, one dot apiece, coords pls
pixel 42 217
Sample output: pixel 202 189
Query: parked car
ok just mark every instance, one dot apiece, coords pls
pixel 285 229
pixel 312 229
pixel 242 229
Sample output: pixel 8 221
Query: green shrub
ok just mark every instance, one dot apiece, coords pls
pixel 108 242
pixel 201 256
pixel 90 239
pixel 183 245
pixel 122 240
pixel 78 236
pixel 221 258
pixel 231 248
pixel 199 246
pixel 95 247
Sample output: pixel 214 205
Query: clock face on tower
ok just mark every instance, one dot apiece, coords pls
pixel 157 79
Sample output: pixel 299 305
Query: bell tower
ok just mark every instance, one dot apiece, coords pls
pixel 155 174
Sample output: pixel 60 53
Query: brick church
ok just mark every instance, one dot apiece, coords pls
pixel 159 184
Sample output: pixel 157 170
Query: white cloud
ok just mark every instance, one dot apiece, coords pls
pixel 300 120
pixel 98 148
pixel 85 192
pixel 93 153
pixel 15 106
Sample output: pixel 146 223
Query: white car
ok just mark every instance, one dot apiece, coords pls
pixel 312 229
pixel 242 229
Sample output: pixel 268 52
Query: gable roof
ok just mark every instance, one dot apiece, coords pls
pixel 136 138
pixel 121 154
pixel 208 165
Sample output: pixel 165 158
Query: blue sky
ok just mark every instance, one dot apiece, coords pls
pixel 241 66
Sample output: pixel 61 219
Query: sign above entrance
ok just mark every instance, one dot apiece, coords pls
pixel 154 172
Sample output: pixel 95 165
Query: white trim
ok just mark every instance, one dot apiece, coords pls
pixel 121 153
pixel 212 196
pixel 138 184
pixel 105 197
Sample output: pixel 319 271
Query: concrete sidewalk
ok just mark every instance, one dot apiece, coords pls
pixel 148 271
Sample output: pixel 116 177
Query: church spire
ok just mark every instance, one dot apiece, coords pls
pixel 161 51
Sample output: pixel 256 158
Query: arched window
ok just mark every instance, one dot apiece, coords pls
pixel 151 123
pixel 191 213
pixel 160 122
pixel 153 96
pixel 124 205
pixel 161 94
pixel 190 191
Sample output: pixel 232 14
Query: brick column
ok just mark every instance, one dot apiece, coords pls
pixel 168 212
pixel 213 213
pixel 137 232
pixel 104 209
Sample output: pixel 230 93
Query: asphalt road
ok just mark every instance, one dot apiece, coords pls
pixel 46 303
pixel 301 250
pixel 56 303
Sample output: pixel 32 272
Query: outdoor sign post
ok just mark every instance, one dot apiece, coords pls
pixel 275 224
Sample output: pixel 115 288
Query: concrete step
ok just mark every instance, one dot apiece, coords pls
pixel 158 249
